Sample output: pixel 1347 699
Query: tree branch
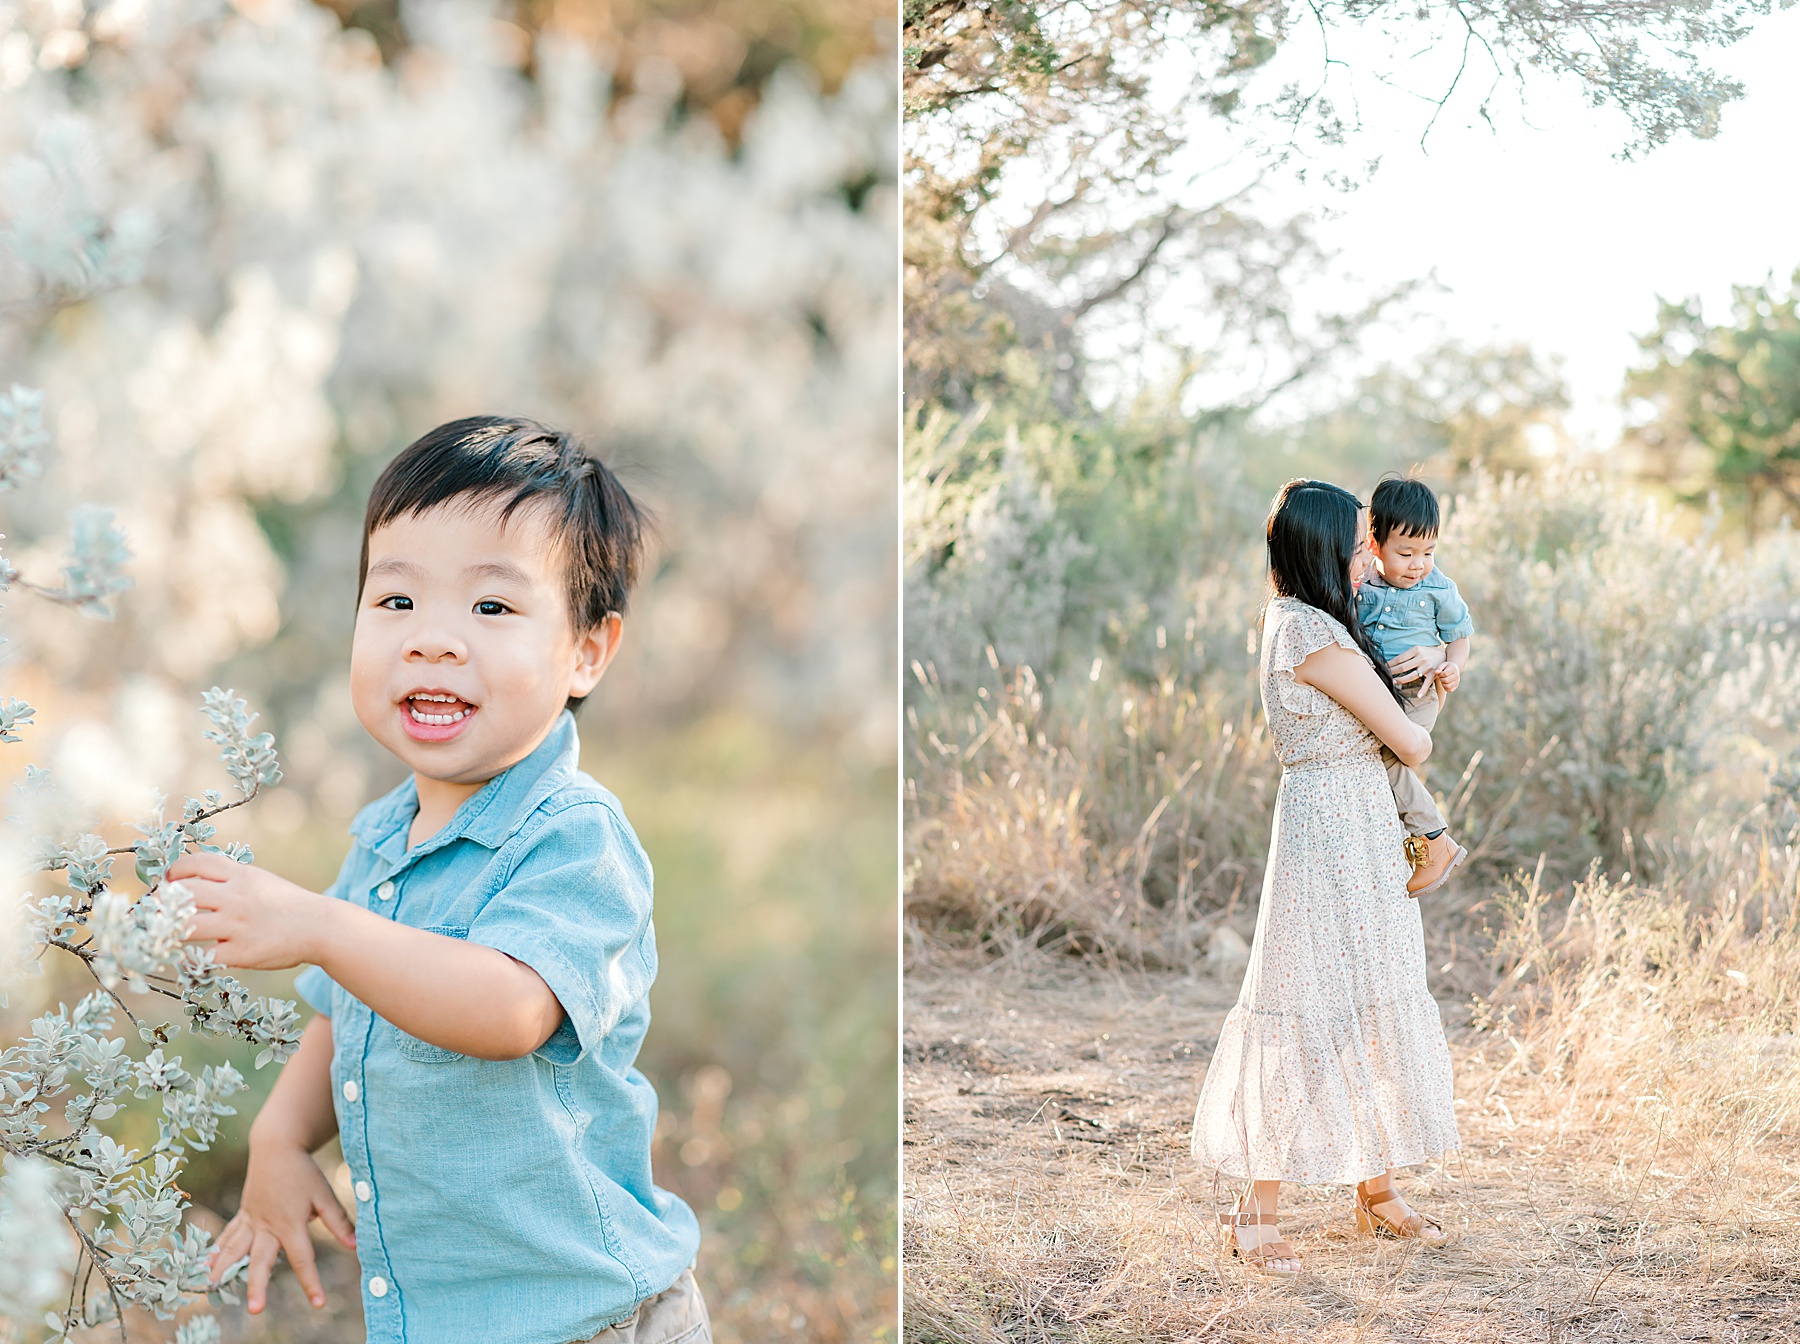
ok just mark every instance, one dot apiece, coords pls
pixel 105 1274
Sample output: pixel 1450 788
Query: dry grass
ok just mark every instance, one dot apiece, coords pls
pixel 1626 1091
pixel 1112 829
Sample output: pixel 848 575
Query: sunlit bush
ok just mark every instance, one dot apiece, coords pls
pixel 1086 764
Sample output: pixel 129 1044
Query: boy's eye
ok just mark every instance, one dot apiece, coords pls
pixel 396 603
pixel 489 607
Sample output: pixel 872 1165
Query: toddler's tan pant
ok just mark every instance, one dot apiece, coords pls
pixel 1418 811
pixel 676 1315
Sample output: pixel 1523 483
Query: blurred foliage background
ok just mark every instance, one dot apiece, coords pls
pixel 1107 376
pixel 250 250
pixel 1115 355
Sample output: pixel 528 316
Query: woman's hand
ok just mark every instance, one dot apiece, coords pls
pixel 1421 660
pixel 283 1190
pixel 255 919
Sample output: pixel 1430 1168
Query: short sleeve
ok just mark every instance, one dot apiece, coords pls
pixel 1453 620
pixel 313 985
pixel 576 909
pixel 1300 631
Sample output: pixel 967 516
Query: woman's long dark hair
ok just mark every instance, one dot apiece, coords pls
pixel 1312 538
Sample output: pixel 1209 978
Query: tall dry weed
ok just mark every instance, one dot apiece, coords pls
pixel 1629 681
pixel 1120 827
pixel 1659 1019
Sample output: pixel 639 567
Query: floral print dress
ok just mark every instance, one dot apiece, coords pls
pixel 1332 1067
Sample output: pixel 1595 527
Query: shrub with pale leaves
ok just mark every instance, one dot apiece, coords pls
pixel 86 1222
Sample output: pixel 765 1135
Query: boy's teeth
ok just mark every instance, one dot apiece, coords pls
pixel 439 720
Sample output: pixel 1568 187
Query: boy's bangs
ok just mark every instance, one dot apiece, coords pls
pixel 515 464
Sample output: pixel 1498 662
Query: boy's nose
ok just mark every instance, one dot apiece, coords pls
pixel 436 650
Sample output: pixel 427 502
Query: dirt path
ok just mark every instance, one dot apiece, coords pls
pixel 1050 1196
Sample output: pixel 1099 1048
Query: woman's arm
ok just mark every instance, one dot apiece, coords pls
pixel 1348 679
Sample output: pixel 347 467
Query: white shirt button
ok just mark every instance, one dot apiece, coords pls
pixel 351 1090
pixel 363 1192
pixel 378 1286
pixel 385 892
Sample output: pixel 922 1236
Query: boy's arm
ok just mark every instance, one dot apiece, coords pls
pixel 1455 627
pixel 1456 657
pixel 283 1187
pixel 454 994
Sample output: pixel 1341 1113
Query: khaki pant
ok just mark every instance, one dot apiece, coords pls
pixel 675 1316
pixel 1418 811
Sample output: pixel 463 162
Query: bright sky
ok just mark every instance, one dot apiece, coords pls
pixel 1541 234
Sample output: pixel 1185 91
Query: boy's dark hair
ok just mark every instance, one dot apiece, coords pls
pixel 515 462
pixel 1403 503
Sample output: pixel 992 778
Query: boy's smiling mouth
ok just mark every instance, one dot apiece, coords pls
pixel 435 715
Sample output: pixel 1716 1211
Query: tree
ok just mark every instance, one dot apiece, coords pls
pixel 1720 405
pixel 1041 134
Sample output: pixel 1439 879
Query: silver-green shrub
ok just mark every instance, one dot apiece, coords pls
pixel 88 1226
pixel 1633 675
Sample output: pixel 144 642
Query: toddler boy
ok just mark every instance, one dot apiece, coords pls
pixel 1409 608
pixel 482 964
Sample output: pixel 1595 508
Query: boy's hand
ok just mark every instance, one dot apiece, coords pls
pixel 1449 677
pixel 283 1189
pixel 255 919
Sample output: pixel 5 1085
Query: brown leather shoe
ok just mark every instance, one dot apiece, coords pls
pixel 1432 861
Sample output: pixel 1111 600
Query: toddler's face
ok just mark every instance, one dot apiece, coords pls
pixel 1404 558
pixel 464 653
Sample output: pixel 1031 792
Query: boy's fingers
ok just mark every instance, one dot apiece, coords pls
pixel 262 1259
pixel 233 1242
pixel 300 1259
pixel 202 864
pixel 336 1221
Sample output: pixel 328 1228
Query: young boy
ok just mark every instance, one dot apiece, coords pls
pixel 1410 608
pixel 481 966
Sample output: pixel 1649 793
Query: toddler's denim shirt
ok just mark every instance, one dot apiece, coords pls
pixel 1398 619
pixel 508 1200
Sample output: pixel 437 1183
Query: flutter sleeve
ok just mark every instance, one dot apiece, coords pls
pixel 1453 619
pixel 1294 632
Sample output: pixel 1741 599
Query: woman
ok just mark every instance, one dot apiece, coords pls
pixel 1332 1069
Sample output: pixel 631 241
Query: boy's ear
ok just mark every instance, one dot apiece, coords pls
pixel 594 650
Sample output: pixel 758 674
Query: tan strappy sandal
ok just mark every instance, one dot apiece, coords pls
pixel 1414 1225
pixel 1257 1257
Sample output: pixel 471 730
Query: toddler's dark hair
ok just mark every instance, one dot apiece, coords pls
pixel 1403 503
pixel 515 462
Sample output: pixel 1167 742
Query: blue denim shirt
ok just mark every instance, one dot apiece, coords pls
pixel 1397 619
pixel 508 1200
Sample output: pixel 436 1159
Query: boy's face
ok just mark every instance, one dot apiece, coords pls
pixel 464 653
pixel 1405 558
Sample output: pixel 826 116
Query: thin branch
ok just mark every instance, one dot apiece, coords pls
pixel 1171 223
pixel 106 1274
pixel 205 814
pixel 87 959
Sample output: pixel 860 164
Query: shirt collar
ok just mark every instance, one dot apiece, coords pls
pixel 490 815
